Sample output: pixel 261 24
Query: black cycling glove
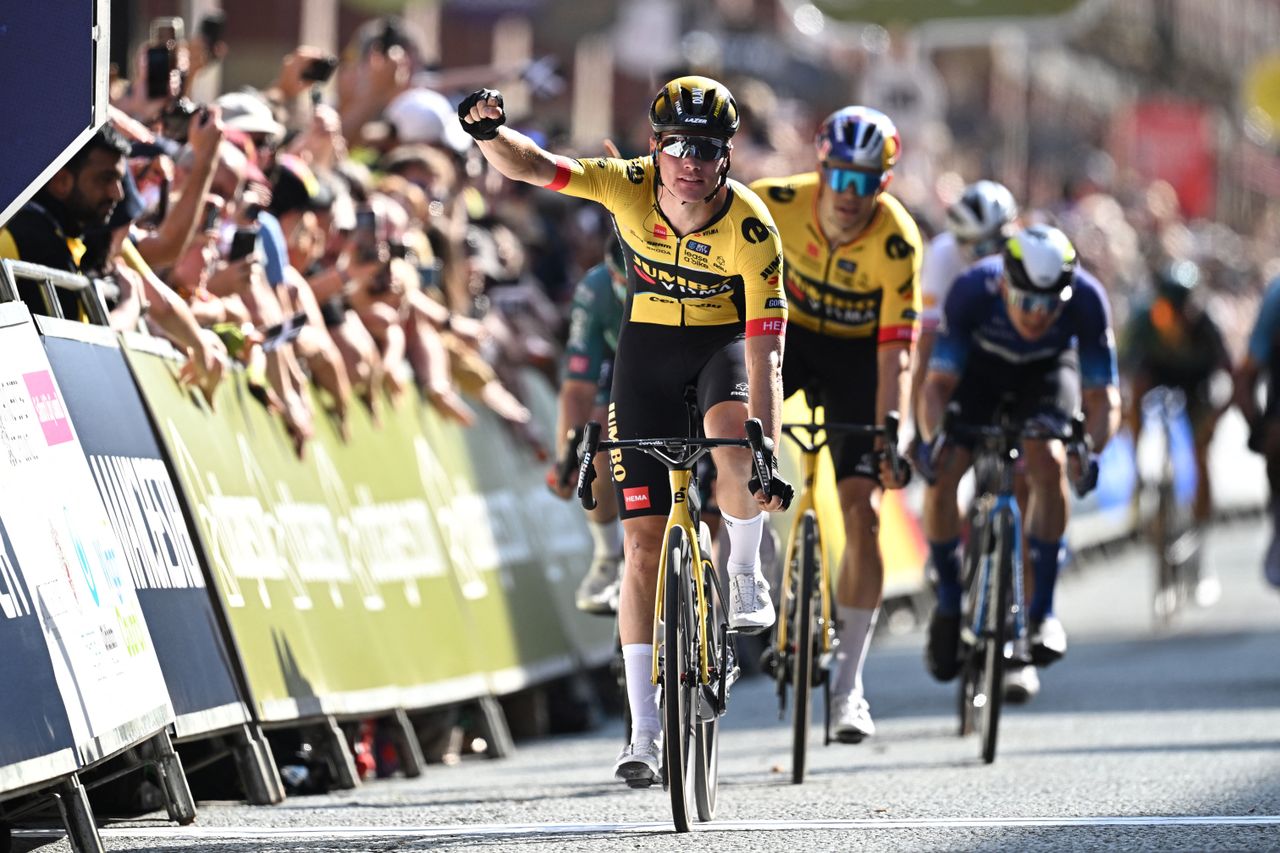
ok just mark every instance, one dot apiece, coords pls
pixel 1088 479
pixel 485 128
pixel 778 487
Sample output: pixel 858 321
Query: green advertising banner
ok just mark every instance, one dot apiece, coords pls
pixel 415 564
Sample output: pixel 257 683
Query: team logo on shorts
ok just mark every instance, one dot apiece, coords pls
pixel 637 498
pixel 741 390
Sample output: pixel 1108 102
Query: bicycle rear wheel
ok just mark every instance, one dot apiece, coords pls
pixel 996 629
pixel 679 675
pixel 802 660
pixel 712 699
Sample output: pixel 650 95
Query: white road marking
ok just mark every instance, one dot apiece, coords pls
pixel 537 829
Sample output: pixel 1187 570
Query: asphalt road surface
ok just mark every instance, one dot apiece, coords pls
pixel 1140 740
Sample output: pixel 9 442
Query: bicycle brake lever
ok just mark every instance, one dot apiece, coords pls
pixel 587 468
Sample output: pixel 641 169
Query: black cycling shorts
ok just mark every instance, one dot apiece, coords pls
pixel 653 367
pixel 1047 390
pixel 844 372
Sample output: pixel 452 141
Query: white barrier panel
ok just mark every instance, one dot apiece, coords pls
pixel 71 564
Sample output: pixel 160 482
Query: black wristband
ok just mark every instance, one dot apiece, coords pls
pixel 486 128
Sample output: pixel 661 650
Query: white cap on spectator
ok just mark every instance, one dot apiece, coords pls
pixel 421 115
pixel 247 112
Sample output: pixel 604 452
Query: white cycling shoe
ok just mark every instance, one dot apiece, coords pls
pixel 639 764
pixel 851 718
pixel 598 592
pixel 750 608
pixel 1021 683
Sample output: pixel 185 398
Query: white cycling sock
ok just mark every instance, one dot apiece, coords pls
pixel 856 625
pixel 642 693
pixel 744 542
pixel 607 537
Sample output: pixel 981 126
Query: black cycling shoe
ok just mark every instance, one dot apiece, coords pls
pixel 942 652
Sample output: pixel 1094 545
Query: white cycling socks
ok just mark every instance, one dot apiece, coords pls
pixel 744 542
pixel 856 625
pixel 607 537
pixel 642 693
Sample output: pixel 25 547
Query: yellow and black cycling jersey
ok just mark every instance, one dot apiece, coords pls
pixel 866 288
pixel 725 274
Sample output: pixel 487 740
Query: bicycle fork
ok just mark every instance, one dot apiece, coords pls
pixel 681 517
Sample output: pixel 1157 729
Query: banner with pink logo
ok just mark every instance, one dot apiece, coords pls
pixel 70 576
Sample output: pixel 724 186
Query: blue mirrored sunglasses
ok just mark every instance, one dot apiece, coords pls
pixel 863 183
pixel 698 147
pixel 1033 302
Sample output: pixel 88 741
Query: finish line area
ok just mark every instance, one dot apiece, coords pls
pixel 537 830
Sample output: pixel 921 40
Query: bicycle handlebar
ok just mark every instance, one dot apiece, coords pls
pixel 1074 437
pixel 889 431
pixel 665 450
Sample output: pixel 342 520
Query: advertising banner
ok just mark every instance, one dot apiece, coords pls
pixel 147 517
pixel 74 576
pixel 520 638
pixel 297 610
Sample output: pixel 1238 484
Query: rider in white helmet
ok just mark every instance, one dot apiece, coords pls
pixel 977 225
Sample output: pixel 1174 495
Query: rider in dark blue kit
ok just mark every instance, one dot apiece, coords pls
pixel 1031 324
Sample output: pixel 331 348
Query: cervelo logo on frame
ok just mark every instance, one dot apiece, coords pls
pixel 48 405
pixel 637 498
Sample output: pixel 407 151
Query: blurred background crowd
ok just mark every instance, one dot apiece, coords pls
pixel 303 200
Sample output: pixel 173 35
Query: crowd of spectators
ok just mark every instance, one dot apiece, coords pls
pixel 346 234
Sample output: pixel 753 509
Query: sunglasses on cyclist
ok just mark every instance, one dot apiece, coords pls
pixel 702 148
pixel 864 183
pixel 1033 302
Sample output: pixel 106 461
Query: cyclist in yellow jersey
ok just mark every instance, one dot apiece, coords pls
pixel 852 273
pixel 705 309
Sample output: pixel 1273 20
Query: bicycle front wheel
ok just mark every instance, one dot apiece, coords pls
pixel 1165 601
pixel 679 677
pixel 802 660
pixel 996 634
pixel 711 699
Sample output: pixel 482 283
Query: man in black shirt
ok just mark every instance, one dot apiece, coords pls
pixel 48 229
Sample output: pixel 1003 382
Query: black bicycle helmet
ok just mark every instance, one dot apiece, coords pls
pixel 695 105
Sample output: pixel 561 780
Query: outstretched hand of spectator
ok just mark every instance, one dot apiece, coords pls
pixel 291 82
pixel 206 364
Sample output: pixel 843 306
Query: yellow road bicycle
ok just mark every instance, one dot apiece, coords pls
pixel 694 659
pixel 805 635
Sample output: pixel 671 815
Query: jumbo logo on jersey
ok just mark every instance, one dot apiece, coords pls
pixel 682 285
pixel 856 310
pixel 635 172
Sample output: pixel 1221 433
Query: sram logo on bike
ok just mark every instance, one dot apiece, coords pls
pixel 637 498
